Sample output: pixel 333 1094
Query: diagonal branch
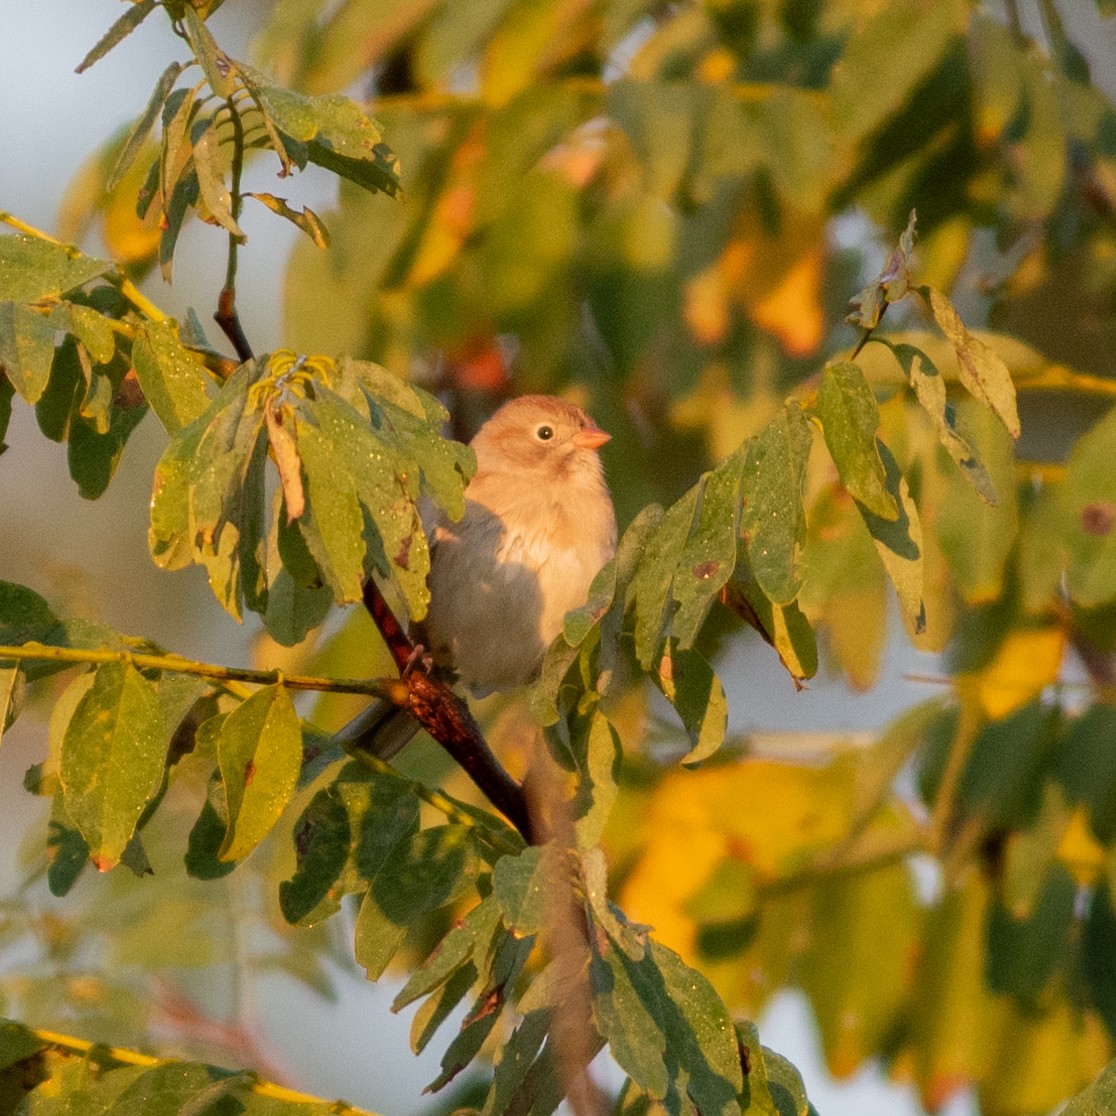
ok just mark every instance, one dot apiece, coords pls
pixel 446 717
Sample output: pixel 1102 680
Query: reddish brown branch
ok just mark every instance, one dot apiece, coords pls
pixel 447 719
pixel 229 321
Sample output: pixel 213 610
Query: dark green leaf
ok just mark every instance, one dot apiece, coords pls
pixel 511 956
pixel 1001 779
pixel 1099 954
pixel 434 1011
pixel 420 874
pixel 113 756
pixel 525 888
pixel 342 839
pixel 93 457
pixel 337 134
pixel 654 576
pixel 17 1044
pixel 208 833
pixel 121 29
pixel 773 522
pixel 709 556
pixel 1024 953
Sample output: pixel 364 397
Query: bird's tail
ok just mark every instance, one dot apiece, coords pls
pixel 383 728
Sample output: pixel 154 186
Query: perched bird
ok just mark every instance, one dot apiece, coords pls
pixel 537 527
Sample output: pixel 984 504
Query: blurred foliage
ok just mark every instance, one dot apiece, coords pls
pixel 660 211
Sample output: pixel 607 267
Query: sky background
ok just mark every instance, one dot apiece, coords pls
pixel 96 553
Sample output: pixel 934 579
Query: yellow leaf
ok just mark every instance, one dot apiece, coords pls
pixel 1028 660
pixel 774 816
pixel 1080 851
pixel 777 278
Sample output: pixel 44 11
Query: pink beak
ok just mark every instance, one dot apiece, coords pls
pixel 591 438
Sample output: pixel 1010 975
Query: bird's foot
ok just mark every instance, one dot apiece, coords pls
pixel 418 658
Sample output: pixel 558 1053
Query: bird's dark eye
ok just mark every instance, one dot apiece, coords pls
pixel 544 433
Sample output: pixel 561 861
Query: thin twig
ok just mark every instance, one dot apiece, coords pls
pixel 123 1057
pixel 389 688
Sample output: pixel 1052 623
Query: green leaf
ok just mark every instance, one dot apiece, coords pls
pixel 93 456
pixel 1002 777
pixel 689 684
pixel 26 348
pixel 981 369
pixel 218 68
pixel 216 201
pixel 701 1041
pixel 121 29
pixel 337 135
pixel 773 522
pixel 173 380
pixel 886 59
pixel 1088 497
pixel 17 1044
pixel 899 543
pixel 850 418
pixel 32 269
pixel 511 955
pixel 784 627
pixel 524 887
pixel 1097 1098
pixel 1024 953
pixel 260 755
pixel 143 125
pixel 208 833
pixel 709 557
pixel 7 393
pixel 930 390
pixel 655 574
pixel 342 839
pixel 976 539
pixel 420 874
pixel 113 755
pixel 470 937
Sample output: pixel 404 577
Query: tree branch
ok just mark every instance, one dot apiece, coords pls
pixel 446 717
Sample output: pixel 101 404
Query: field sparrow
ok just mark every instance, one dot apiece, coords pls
pixel 537 527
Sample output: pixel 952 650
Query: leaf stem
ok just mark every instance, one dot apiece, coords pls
pixel 390 688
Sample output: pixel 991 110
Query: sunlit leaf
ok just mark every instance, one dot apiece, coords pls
pixel 850 419
pixel 112 759
pixel 260 754
pixel 773 523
